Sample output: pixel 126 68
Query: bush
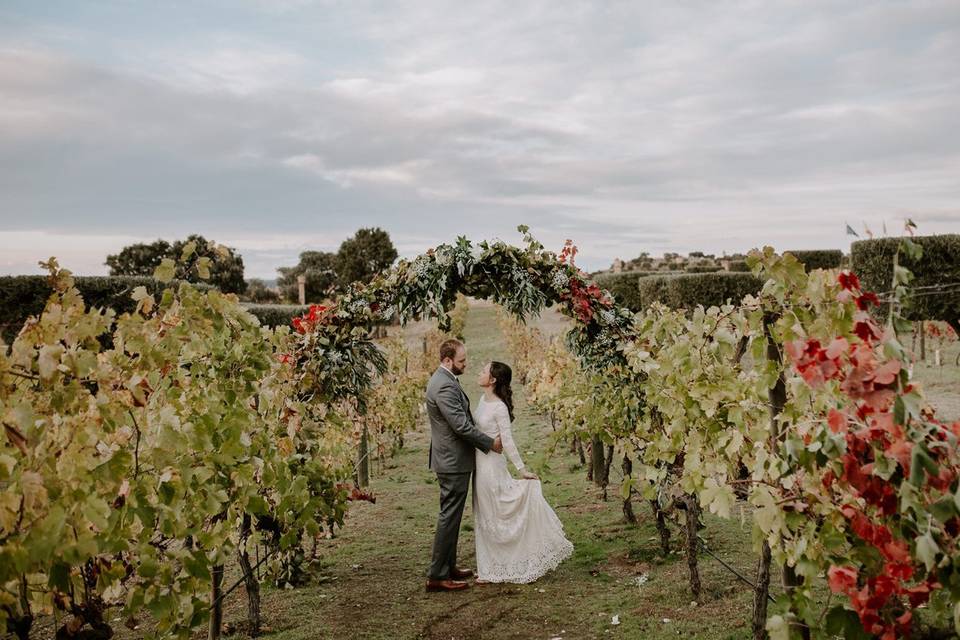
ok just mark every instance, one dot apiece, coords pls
pixel 226 266
pixel 872 261
pixel 259 293
pixel 739 266
pixel 819 258
pixel 623 286
pixel 703 268
pixel 25 296
pixel 275 315
pixel 685 291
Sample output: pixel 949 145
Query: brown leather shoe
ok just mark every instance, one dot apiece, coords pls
pixel 461 574
pixel 445 585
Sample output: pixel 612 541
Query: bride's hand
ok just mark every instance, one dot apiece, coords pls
pixel 528 476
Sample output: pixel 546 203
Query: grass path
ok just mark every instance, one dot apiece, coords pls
pixel 375 569
pixel 941 383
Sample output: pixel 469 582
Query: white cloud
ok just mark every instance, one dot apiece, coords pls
pixel 627 126
pixel 398 174
pixel 229 65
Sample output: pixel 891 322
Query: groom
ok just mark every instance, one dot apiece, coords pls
pixel 453 438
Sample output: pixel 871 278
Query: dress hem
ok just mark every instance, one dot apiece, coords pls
pixel 542 566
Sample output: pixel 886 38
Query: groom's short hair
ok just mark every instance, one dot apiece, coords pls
pixel 448 349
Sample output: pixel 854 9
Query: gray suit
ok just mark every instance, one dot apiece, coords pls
pixel 453 439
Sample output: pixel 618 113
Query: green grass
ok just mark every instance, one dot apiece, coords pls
pixel 941 383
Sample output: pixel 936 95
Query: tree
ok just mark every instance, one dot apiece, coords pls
pixel 364 255
pixel 258 292
pixel 320 269
pixel 640 262
pixel 226 269
pixel 138 259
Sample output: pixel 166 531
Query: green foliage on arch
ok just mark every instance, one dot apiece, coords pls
pixel 334 349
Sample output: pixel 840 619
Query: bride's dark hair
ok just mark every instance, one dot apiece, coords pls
pixel 503 376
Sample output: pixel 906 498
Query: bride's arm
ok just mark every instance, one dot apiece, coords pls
pixel 506 437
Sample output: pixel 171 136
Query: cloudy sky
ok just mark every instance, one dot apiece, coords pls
pixel 275 126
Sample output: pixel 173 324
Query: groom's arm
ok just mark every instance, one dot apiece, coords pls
pixel 451 407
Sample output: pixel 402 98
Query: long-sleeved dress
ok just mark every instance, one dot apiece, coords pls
pixel 519 538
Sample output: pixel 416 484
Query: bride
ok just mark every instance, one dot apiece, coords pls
pixel 519 538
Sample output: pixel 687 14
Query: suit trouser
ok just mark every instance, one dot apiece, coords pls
pixel 453 497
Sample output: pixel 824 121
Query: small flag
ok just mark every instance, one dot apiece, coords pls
pixel 851 232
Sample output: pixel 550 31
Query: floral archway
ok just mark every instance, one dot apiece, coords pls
pixel 334 350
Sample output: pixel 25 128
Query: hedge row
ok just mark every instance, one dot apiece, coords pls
pixel 687 290
pixel 819 258
pixel 275 315
pixel 937 274
pixel 703 268
pixel 623 286
pixel 25 296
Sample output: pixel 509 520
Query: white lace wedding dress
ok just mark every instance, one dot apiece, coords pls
pixel 519 537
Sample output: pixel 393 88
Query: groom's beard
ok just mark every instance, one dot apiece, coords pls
pixel 455 370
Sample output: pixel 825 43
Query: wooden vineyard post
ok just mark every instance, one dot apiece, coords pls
pixel 761 592
pixel 596 460
pixel 363 464
pixel 21 625
pixel 250 582
pixel 216 600
pixel 923 341
pixel 693 524
pixel 628 514
pixel 607 462
pixel 777 400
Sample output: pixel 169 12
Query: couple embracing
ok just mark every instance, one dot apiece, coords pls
pixel 518 536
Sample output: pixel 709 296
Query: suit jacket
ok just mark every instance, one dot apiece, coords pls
pixel 453 435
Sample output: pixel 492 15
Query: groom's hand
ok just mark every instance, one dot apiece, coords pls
pixel 497 445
